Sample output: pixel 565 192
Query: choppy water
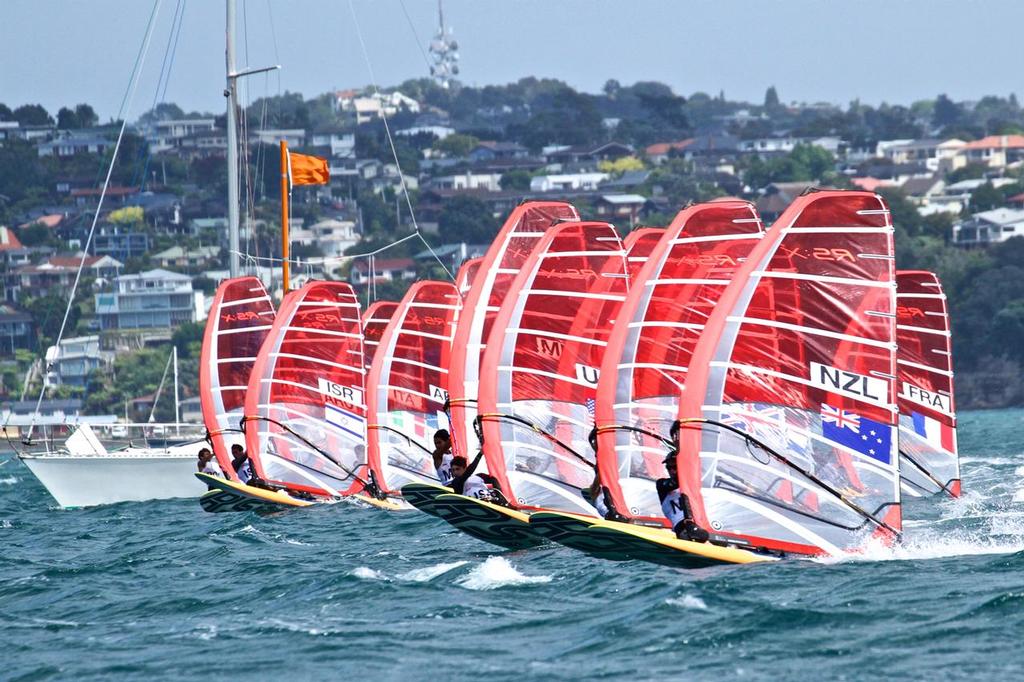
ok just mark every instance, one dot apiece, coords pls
pixel 164 590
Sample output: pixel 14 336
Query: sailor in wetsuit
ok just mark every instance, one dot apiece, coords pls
pixel 676 506
pixel 442 456
pixel 465 482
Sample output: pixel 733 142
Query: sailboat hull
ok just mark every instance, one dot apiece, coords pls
pixel 232 496
pixel 132 475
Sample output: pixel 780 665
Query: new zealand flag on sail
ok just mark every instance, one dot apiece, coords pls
pixel 857 433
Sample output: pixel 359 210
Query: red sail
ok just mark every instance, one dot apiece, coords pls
pixel 645 368
pixel 788 437
pixel 638 244
pixel 240 318
pixel 542 363
pixel 407 385
pixel 498 268
pixel 305 411
pixel 375 321
pixel 928 450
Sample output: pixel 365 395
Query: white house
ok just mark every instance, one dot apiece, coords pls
pixel 989 227
pixel 469 180
pixel 567 181
pixel 934 154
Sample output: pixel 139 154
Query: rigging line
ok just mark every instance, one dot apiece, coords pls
pixel 165 76
pixel 415 35
pixel 497 416
pixel 391 143
pixel 333 259
pixel 160 388
pixel 133 84
pixel 785 460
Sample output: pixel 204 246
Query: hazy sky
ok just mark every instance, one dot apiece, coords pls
pixel 63 52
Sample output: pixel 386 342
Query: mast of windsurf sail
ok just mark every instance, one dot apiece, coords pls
pixel 177 402
pixel 407 385
pixel 929 462
pixel 305 409
pixel 542 356
pixel 788 421
pixel 238 322
pixel 496 271
pixel 645 367
pixel 232 124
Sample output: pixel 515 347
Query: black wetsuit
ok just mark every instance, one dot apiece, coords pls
pixel 458 483
pixel 676 507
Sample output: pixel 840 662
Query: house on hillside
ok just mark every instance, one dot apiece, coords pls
pixel 776 197
pixel 71 361
pixel 620 209
pixel 384 270
pixel 120 242
pixel 8 240
pixel 16 330
pixel 155 298
pixel 929 195
pixel 934 154
pixel 468 180
pixel 71 144
pixel 607 151
pixel 180 257
pixel 995 151
pixel 332 235
pixel 659 152
pixel 492 151
pixel 562 182
pixel 335 144
pixel 90 196
pixel 989 227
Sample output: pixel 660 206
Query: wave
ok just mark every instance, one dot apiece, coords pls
pixel 367 573
pixel 688 601
pixel 428 573
pixel 497 572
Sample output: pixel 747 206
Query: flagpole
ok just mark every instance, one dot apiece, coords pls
pixel 284 214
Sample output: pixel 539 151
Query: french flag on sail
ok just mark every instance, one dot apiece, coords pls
pixel 934 432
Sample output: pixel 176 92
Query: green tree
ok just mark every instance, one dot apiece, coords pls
pixel 985 197
pixel 516 179
pixel 946 112
pixel 457 144
pixel 5 113
pixel 32 115
pixel 771 98
pixel 188 338
pixel 467 219
pixel 87 117
pixel 66 118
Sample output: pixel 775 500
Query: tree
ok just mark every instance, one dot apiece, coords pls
pixel 771 98
pixel 946 112
pixel 188 339
pixel 32 115
pixel 129 215
pixel 5 113
pixel 165 111
pixel 87 118
pixel 985 198
pixel 467 219
pixel 48 313
pixel 457 144
pixel 517 179
pixel 35 234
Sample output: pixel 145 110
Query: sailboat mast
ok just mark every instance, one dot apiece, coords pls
pixel 232 125
pixel 177 402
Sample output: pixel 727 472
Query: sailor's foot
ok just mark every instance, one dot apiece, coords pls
pixel 694 533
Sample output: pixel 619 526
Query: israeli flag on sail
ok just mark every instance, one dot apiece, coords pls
pixel 857 432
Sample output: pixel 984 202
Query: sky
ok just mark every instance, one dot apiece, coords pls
pixel 59 52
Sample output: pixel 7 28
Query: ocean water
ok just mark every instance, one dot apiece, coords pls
pixel 162 590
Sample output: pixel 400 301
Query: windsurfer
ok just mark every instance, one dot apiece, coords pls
pixel 207 465
pixel 676 506
pixel 243 466
pixel 602 501
pixel 466 482
pixel 443 456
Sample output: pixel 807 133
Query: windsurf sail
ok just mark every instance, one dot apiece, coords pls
pixel 542 362
pixel 788 437
pixel 491 281
pixel 928 448
pixel 240 318
pixel 638 244
pixel 645 367
pixel 375 321
pixel 305 410
pixel 408 385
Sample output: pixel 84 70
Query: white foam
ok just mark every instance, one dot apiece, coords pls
pixel 498 572
pixel 9 480
pixel 933 545
pixel 367 573
pixel 688 601
pixel 427 573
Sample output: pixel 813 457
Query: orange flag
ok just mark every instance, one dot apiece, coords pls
pixel 308 170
